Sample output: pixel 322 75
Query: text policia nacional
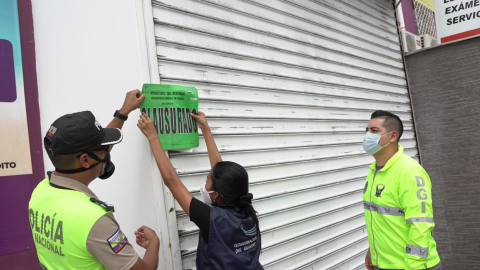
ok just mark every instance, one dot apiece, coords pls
pixel 463 5
pixel 48 232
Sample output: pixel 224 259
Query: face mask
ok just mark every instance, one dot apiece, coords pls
pixel 108 167
pixel 370 143
pixel 205 197
pixel 107 170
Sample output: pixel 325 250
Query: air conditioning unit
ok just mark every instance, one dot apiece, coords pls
pixel 428 41
pixel 413 41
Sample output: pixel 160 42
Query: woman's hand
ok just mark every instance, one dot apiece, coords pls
pixel 169 175
pixel 145 236
pixel 147 127
pixel 212 149
pixel 201 120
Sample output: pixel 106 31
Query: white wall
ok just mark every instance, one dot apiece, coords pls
pixel 88 57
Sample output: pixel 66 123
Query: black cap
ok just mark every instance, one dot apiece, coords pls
pixel 78 132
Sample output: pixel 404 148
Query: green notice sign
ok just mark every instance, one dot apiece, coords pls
pixel 169 107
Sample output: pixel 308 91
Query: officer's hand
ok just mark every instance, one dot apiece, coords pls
pixel 147 127
pixel 201 120
pixel 133 99
pixel 368 261
pixel 145 236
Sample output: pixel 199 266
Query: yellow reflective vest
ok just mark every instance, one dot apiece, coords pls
pixel 399 215
pixel 61 220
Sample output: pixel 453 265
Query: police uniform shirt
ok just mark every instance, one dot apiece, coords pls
pixel 102 230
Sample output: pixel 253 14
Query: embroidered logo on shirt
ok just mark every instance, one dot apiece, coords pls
pixel 117 241
pixel 251 232
pixel 380 188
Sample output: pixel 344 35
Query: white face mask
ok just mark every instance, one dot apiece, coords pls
pixel 205 197
pixel 370 143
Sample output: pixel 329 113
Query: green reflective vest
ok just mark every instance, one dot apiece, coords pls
pixel 399 215
pixel 61 220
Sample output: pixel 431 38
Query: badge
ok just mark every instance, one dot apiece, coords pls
pixel 117 241
pixel 380 188
pixel 51 131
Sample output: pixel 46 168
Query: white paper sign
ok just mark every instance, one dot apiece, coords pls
pixel 457 19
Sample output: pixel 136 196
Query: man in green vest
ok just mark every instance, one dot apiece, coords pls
pixel 72 228
pixel 398 202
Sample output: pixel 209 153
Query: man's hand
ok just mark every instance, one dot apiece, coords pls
pixel 368 261
pixel 201 120
pixel 147 127
pixel 146 236
pixel 148 239
pixel 133 99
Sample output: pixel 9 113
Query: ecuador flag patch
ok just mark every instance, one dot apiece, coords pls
pixel 117 241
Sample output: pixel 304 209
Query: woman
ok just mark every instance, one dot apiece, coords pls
pixel 229 234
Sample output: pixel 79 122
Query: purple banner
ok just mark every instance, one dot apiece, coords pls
pixel 409 17
pixel 8 89
pixel 21 157
pixel 15 232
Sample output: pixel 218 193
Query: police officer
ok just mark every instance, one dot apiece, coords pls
pixel 398 202
pixel 229 233
pixel 71 226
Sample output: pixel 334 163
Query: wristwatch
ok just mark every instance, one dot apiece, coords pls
pixel 120 116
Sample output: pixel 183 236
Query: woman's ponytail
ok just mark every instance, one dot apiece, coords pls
pixel 231 181
pixel 245 202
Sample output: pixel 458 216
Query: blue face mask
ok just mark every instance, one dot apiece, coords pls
pixel 370 143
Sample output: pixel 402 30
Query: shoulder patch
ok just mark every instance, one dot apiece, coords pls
pixel 51 131
pixel 117 241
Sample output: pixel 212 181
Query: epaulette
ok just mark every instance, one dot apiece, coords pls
pixel 109 207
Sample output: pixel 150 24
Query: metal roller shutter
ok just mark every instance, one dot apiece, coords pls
pixel 288 87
